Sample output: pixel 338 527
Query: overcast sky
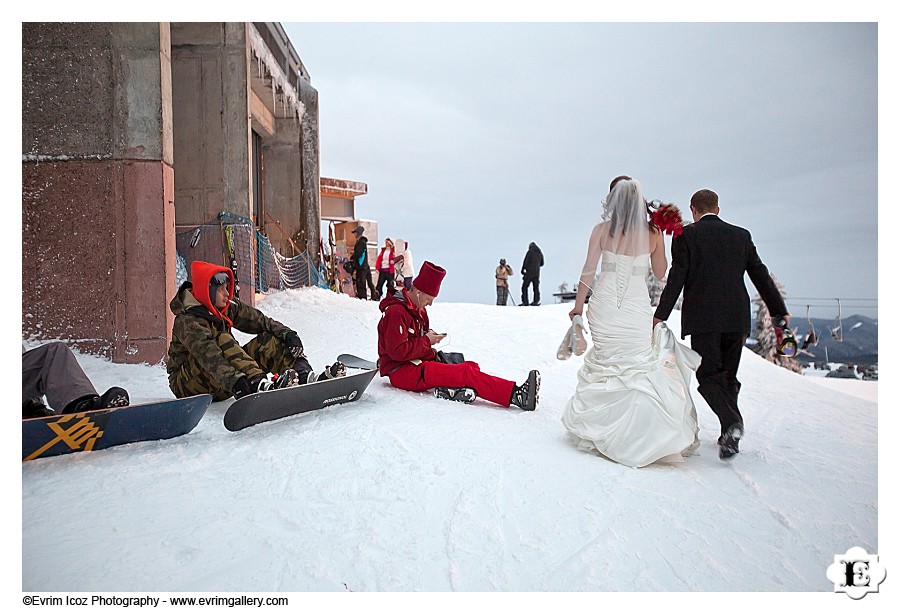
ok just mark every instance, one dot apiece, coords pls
pixel 475 139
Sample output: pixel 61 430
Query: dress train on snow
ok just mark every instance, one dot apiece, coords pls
pixel 632 402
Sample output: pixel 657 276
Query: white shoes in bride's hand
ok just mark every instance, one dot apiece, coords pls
pixel 574 342
pixel 580 341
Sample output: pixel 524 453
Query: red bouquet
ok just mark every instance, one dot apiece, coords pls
pixel 666 217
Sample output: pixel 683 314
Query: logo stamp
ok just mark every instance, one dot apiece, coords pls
pixel 856 573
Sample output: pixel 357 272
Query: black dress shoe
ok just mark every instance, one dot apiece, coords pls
pixel 730 440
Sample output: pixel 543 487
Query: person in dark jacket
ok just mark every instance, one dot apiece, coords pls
pixel 406 358
pixel 205 358
pixel 52 370
pixel 709 260
pixel 531 274
pixel 361 269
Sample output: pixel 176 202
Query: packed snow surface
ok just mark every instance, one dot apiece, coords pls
pixel 400 491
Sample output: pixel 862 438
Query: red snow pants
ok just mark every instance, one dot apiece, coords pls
pixel 431 374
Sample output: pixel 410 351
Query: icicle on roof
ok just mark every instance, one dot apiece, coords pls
pixel 280 81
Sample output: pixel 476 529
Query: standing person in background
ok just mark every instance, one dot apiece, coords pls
pixel 404 262
pixel 384 264
pixel 360 259
pixel 531 273
pixel 501 274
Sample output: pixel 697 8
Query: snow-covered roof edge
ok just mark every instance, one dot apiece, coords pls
pixel 280 81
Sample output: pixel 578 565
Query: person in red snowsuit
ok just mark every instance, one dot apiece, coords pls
pixel 406 357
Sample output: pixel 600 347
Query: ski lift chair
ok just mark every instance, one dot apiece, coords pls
pixel 812 339
pixel 837 331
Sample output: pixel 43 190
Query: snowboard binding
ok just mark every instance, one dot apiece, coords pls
pixel 461 395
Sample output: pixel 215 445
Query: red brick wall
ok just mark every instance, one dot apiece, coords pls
pixel 98 255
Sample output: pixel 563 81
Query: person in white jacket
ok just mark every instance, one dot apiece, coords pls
pixel 403 261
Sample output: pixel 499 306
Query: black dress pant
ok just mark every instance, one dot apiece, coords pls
pixel 720 355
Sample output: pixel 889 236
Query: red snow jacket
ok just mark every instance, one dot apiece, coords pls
pixel 385 260
pixel 401 333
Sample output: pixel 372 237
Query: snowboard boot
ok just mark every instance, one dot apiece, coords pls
pixel 35 408
pixel 336 370
pixel 526 396
pixel 85 403
pixel 728 442
pixel 462 395
pixel 114 397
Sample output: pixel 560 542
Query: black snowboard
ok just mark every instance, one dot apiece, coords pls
pixel 274 404
pixel 450 358
pixel 104 428
pixel 355 362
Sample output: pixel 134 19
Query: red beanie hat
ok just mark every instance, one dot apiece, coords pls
pixel 429 279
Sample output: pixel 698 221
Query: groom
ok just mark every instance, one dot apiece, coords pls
pixel 709 259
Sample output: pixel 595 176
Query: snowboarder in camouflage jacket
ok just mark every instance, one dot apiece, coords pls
pixel 204 357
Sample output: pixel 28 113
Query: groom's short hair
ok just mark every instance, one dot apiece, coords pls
pixel 705 201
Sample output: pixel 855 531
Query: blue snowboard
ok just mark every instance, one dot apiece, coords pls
pixel 274 404
pixel 104 428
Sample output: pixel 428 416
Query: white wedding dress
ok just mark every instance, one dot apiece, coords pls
pixel 632 402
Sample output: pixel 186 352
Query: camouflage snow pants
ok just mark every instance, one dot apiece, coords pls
pixel 263 354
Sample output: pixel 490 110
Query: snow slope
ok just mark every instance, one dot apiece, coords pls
pixel 404 492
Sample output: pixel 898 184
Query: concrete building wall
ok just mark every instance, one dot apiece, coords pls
pixel 211 117
pixel 283 185
pixel 98 249
pixel 131 130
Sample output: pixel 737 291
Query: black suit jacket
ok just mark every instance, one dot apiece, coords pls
pixel 709 260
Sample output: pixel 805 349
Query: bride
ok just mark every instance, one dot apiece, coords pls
pixel 631 402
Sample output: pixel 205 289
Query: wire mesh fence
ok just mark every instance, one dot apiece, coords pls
pixel 233 241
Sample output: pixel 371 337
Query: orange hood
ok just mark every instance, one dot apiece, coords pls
pixel 201 275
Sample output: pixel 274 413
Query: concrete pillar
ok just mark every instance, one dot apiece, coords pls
pixel 310 214
pixel 98 243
